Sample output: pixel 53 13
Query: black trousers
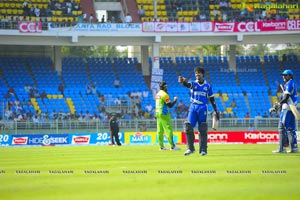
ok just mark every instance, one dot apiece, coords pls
pixel 115 137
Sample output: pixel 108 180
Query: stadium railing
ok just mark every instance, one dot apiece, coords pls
pixel 136 125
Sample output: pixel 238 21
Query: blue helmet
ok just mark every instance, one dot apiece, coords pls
pixel 287 72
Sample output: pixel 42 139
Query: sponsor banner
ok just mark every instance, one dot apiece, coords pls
pixel 171 27
pixel 30 27
pixel 176 138
pixel 107 27
pixel 19 140
pixel 206 26
pixel 274 25
pixel 160 27
pixel 238 137
pixel 221 27
pixel 5 139
pixel 140 137
pixel 79 139
pixel 103 138
pixel 293 25
pixel 40 139
pixel 246 27
pixel 149 27
pixel 177 27
pixel 259 26
pixel 183 27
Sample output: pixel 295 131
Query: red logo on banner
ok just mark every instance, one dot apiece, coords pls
pixel 81 139
pixel 224 27
pixel 238 137
pixel 30 27
pixel 19 140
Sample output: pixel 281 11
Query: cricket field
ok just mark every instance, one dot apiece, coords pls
pixel 231 171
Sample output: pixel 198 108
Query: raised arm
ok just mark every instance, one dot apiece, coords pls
pixel 184 82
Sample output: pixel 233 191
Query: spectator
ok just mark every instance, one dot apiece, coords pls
pixel 202 17
pixel 223 5
pixel 84 17
pixel 61 89
pixel 251 127
pixel 25 8
pixel 247 116
pixel 179 5
pixel 143 127
pixel 145 93
pixel 174 6
pixel 12 91
pixel 117 101
pixel 88 89
pixel 123 101
pixel 128 18
pixel 76 6
pixel 265 115
pixel 117 83
pixel 94 88
pixel 2 125
pixel 233 104
pixel 113 19
pixel 37 11
pixel 91 19
pixel 141 12
pixel 103 19
pixel 43 96
pixel 149 108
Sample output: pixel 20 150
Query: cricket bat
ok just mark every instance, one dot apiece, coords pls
pixel 215 122
pixel 292 106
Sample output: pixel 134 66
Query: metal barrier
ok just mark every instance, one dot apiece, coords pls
pixel 136 125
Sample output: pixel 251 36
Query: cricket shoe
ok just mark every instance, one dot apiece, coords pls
pixel 203 153
pixel 163 149
pixel 277 151
pixel 188 152
pixel 175 148
pixel 294 150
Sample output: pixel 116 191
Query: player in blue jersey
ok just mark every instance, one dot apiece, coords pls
pixel 201 92
pixel 287 122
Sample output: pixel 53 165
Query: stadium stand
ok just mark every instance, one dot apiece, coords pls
pixel 29 85
pixel 64 13
pixel 232 10
pixel 61 13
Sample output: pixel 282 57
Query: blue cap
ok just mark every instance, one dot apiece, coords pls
pixel 287 72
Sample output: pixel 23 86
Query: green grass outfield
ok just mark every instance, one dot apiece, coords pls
pixel 143 172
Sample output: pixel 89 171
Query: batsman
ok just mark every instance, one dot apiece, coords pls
pixel 288 114
pixel 201 92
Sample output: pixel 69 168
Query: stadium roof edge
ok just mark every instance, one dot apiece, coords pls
pixel 137 38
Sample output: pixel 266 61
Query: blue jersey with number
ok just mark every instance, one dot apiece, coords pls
pixel 200 92
pixel 286 116
pixel 290 88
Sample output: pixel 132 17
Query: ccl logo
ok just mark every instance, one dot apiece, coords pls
pixel 248 27
pixel 30 27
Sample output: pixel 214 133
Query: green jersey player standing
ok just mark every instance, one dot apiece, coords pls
pixel 163 116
